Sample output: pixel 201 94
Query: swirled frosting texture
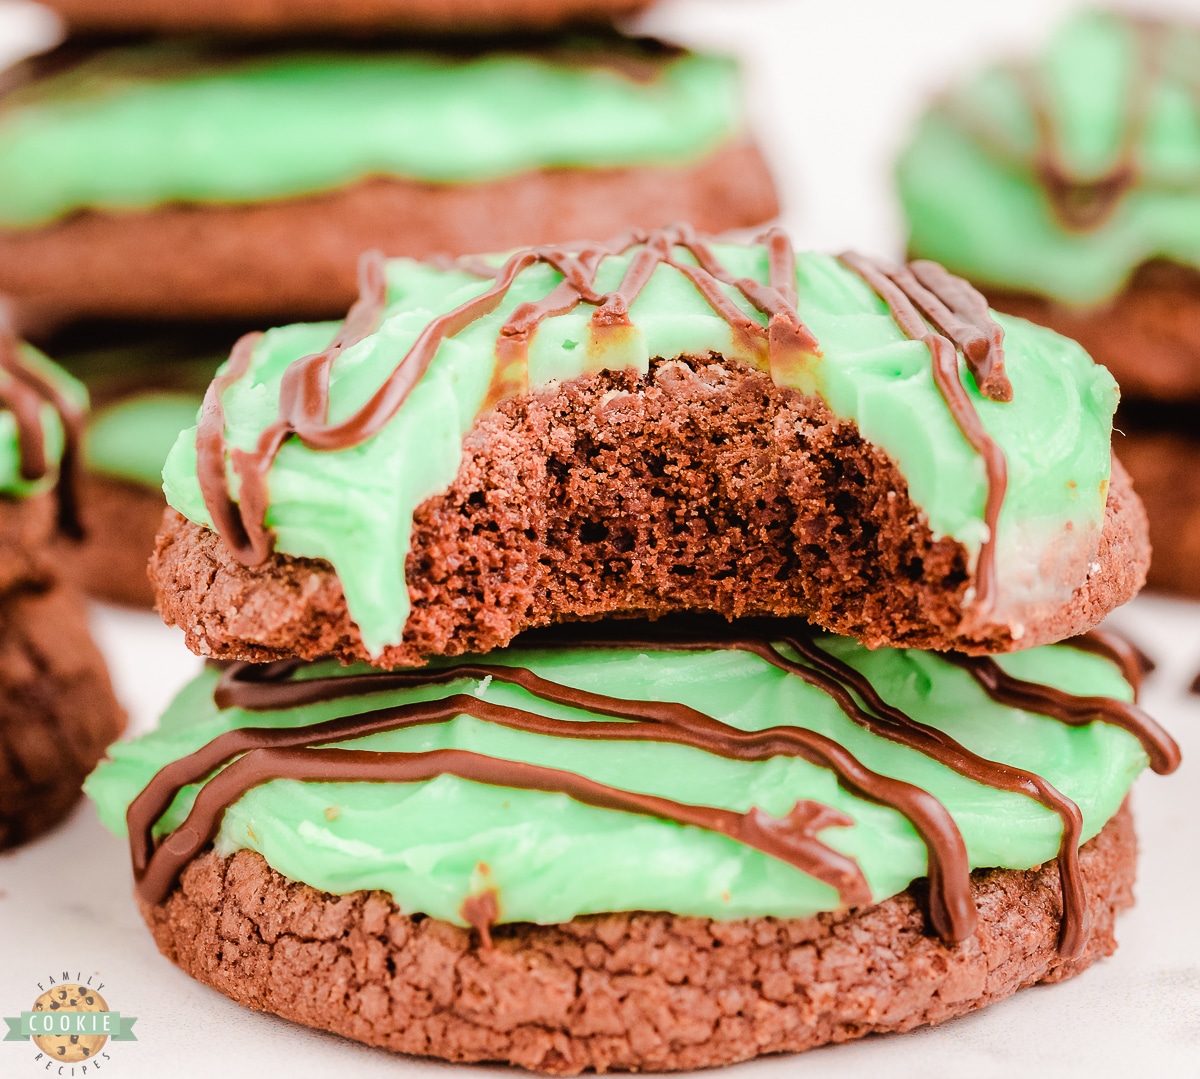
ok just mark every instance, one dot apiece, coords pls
pixel 433 844
pixel 354 507
pixel 136 127
pixel 1061 175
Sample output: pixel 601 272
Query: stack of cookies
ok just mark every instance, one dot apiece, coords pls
pixel 1067 188
pixel 59 712
pixel 161 195
pixel 643 654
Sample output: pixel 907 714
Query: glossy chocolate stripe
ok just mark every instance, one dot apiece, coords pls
pixel 224 513
pixel 791 839
pixel 962 314
pixel 889 284
pixel 897 726
pixel 1075 711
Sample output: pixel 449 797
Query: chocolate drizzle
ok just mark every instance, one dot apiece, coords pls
pixel 924 291
pixel 261 754
pixel 1083 204
pixel 1072 710
pixel 269 753
pixel 303 411
pixel 24 393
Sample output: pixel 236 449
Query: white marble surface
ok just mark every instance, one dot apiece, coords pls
pixel 832 86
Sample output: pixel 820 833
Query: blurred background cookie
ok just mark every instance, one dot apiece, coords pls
pixel 353 16
pixel 57 709
pixel 178 179
pixel 146 383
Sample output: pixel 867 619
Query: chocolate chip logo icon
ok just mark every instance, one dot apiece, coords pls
pixel 72 1047
pixel 70 1023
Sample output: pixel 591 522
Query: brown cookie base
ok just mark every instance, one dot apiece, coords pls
pixel 622 992
pixel 121 520
pixel 356 16
pixel 1148 336
pixel 1165 466
pixel 57 709
pixel 297 258
pixel 701 486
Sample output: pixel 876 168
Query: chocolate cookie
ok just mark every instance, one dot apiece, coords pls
pixel 621 992
pixel 696 432
pixel 58 712
pixel 770 787
pixel 200 214
pixel 346 16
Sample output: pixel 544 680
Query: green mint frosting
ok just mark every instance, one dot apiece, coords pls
pixel 433 844
pixel 355 507
pixel 969 180
pixel 11 482
pixel 141 126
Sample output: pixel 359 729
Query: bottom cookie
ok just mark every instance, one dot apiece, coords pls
pixel 59 713
pixel 631 991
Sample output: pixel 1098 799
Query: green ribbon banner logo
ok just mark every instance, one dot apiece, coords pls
pixel 116 1026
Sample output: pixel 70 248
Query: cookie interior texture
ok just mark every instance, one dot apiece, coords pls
pixel 840 460
pixel 1069 170
pixel 621 992
pixel 693 492
pixel 352 16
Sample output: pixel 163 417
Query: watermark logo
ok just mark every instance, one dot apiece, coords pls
pixel 70 1023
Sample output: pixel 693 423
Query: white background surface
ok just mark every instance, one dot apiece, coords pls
pixel 832 87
